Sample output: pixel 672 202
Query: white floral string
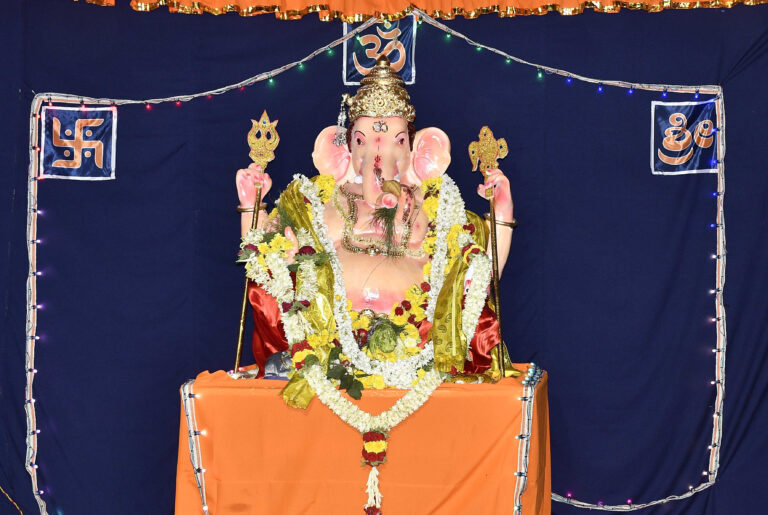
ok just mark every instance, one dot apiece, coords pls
pixel 363 421
pixel 450 211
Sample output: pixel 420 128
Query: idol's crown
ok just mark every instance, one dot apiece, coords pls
pixel 382 93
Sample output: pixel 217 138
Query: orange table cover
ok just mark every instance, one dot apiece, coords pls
pixel 458 454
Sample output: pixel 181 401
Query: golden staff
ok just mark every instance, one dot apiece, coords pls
pixel 262 152
pixel 486 152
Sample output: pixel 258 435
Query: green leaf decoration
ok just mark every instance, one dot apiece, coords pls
pixel 346 381
pixel 334 354
pixel 355 390
pixel 310 360
pixel 335 371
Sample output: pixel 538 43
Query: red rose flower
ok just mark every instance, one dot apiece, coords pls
pixel 299 347
pixel 286 306
pixel 373 436
pixel 406 304
pixel 399 311
pixel 380 456
pixel 307 250
pixel 425 286
pixel 412 319
pixel 304 303
pixel 252 247
pixel 372 510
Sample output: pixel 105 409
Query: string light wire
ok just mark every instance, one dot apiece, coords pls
pixel 33 211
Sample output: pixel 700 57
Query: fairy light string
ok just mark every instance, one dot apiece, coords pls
pixel 33 211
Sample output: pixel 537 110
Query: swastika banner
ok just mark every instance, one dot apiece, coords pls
pixel 396 40
pixel 683 137
pixel 78 142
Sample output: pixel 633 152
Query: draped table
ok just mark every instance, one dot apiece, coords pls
pixel 480 448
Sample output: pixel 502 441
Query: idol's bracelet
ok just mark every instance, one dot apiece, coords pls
pixel 241 209
pixel 511 224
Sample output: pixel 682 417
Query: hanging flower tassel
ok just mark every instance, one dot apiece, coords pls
pixel 374 454
pixel 373 507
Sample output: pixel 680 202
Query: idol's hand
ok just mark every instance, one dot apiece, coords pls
pixel 501 194
pixel 247 179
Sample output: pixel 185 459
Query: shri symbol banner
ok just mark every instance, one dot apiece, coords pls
pixel 396 40
pixel 78 142
pixel 683 137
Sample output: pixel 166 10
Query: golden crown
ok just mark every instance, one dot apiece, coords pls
pixel 382 93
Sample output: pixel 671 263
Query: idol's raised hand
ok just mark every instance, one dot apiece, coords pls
pixel 247 179
pixel 501 193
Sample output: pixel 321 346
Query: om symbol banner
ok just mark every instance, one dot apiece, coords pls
pixel 78 142
pixel 683 137
pixel 396 40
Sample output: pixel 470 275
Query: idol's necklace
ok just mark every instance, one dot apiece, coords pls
pixel 361 245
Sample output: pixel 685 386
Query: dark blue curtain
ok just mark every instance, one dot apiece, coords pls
pixel 607 286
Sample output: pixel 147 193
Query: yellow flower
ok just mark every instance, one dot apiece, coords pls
pixel 430 207
pixel 375 382
pixel 361 322
pixel 414 294
pixel 427 269
pixel 419 373
pixel 376 447
pixel 301 355
pixel 319 339
pixel 431 184
pixel 399 319
pixel 429 244
pixel 411 332
pixel 325 184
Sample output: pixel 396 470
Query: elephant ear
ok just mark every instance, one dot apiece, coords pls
pixel 431 153
pixel 331 159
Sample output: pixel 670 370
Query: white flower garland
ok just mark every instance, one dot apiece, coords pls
pixel 479 274
pixel 450 211
pixel 363 421
pixel 279 284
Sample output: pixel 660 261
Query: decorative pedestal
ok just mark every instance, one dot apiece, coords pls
pixel 477 448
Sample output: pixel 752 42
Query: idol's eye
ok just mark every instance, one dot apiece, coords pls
pixel 359 141
pixel 401 141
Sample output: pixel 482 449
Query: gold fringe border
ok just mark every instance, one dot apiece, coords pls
pixel 324 13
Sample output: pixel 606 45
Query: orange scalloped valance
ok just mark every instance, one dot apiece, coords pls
pixel 360 10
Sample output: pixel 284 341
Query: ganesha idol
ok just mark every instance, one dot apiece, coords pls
pixel 371 274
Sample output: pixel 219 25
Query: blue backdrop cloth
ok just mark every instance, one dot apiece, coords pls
pixel 607 286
